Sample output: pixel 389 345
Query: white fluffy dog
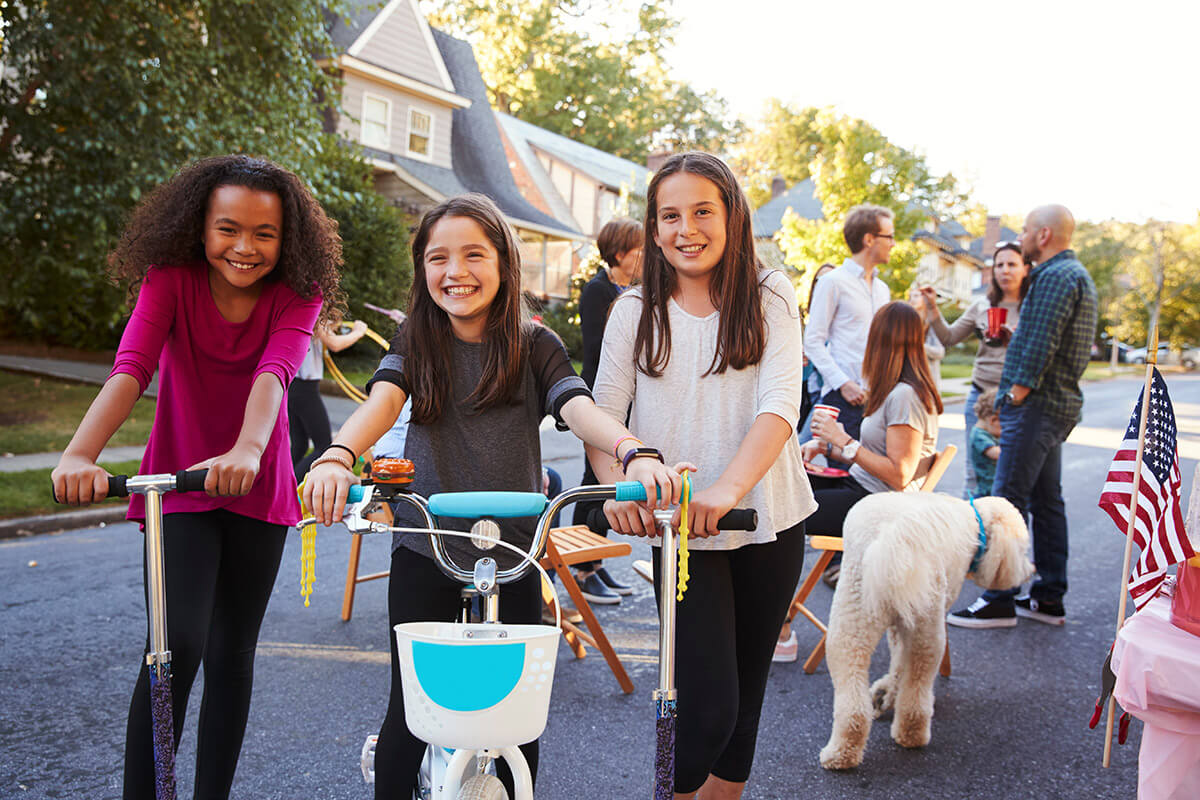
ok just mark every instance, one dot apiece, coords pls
pixel 906 557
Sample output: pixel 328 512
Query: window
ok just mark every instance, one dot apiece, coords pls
pixel 420 134
pixel 376 122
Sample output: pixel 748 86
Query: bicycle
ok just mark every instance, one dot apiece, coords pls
pixel 474 691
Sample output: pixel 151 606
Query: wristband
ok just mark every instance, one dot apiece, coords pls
pixel 353 456
pixel 637 452
pixel 331 459
pixel 617 444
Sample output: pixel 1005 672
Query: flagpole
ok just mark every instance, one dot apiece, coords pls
pixel 1151 363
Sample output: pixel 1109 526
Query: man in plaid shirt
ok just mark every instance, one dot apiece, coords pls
pixel 1040 401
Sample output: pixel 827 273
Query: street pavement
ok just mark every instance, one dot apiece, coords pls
pixel 1009 723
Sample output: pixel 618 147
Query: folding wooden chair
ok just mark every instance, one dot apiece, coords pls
pixel 577 544
pixel 384 514
pixel 828 545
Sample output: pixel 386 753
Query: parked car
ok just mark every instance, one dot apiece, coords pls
pixel 1190 357
pixel 1138 355
pixel 1102 351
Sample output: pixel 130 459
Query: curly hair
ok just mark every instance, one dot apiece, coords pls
pixel 168 228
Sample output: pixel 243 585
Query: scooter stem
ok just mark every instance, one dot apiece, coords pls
pixel 159 656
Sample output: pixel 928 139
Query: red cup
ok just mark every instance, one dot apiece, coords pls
pixel 832 411
pixel 995 321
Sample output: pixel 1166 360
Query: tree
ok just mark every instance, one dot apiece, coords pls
pixel 851 162
pixel 102 101
pixel 1103 249
pixel 595 73
pixel 1163 273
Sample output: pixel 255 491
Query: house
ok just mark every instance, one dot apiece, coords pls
pixel 414 99
pixel 768 218
pixel 957 265
pixel 579 185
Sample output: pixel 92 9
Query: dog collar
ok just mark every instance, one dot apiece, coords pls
pixel 979 551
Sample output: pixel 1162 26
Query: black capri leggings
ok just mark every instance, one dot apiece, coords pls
pixel 419 592
pixel 219 568
pixel 308 420
pixel 725 634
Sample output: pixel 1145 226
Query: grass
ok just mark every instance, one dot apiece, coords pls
pixel 956 370
pixel 1099 370
pixel 27 493
pixel 39 415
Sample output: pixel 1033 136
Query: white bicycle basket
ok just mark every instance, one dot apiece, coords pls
pixel 476 685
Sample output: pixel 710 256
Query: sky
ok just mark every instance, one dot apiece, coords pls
pixel 1090 104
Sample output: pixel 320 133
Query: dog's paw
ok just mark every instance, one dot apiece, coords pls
pixel 883 696
pixel 911 731
pixel 834 756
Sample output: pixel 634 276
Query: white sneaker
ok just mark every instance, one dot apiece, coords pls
pixel 788 651
pixel 645 569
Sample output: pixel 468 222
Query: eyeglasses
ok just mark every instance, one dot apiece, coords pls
pixel 884 236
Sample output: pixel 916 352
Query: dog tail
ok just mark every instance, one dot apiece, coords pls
pixel 899 574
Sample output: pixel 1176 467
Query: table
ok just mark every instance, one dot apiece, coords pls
pixel 1158 681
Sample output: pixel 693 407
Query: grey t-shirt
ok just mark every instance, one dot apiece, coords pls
pixel 902 406
pixel 498 449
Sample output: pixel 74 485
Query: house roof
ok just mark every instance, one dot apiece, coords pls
pixel 801 198
pixel 976 246
pixel 612 171
pixel 480 163
pixel 359 13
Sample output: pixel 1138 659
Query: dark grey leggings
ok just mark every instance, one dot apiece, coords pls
pixel 219 569
pixel 725 634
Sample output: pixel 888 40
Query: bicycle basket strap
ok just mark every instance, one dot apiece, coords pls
pixel 472 505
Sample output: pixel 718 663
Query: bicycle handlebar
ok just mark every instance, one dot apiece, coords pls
pixel 736 519
pixel 125 485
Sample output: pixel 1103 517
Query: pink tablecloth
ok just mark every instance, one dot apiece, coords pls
pixel 1158 681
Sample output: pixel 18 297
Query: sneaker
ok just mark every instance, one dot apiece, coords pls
pixel 1045 611
pixel 984 614
pixel 644 569
pixel 614 584
pixel 786 652
pixel 596 591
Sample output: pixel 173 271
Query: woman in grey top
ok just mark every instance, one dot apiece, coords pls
pixel 1010 282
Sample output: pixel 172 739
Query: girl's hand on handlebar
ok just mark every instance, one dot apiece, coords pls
pixel 78 481
pixel 662 483
pixel 325 491
pixel 630 518
pixel 230 474
pixel 705 509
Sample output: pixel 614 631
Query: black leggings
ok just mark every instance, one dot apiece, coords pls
pixel 419 592
pixel 835 497
pixel 307 421
pixel 219 568
pixel 725 634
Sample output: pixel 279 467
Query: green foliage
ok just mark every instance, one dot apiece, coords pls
pixel 1159 282
pixel 102 101
pixel 851 163
pixel 595 73
pixel 1104 252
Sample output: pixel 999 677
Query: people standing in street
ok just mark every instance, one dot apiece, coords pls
pixel 308 420
pixel 843 304
pixel 231 259
pixel 1039 402
pixel 1009 285
pixel 812 377
pixel 620 244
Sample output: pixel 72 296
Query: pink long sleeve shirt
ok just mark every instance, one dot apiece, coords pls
pixel 206 367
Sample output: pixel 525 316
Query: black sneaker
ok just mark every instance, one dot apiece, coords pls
pixel 595 590
pixel 1045 611
pixel 984 614
pixel 613 583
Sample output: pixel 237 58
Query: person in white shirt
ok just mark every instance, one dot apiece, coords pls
pixel 843 304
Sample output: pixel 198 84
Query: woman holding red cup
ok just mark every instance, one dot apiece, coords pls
pixel 993 318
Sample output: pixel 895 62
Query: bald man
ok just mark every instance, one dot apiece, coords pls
pixel 1040 401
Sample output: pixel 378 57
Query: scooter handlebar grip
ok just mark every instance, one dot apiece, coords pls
pixel 116 486
pixel 190 480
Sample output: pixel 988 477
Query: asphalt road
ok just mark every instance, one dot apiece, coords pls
pixel 1009 723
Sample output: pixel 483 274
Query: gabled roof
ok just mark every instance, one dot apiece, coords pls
pixel 476 150
pixel 393 36
pixel 612 171
pixel 801 198
pixel 1006 235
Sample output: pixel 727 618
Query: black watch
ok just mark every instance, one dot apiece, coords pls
pixel 638 452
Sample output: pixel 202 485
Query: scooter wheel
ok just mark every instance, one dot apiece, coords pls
pixel 482 787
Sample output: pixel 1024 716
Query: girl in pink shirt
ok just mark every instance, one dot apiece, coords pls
pixel 230 260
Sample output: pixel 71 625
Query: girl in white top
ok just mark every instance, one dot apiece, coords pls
pixel 707 358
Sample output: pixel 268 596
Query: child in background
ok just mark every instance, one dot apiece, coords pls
pixel 706 355
pixel 230 259
pixel 985 442
pixel 481 379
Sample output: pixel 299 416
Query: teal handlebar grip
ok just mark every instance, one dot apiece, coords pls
pixel 631 490
pixel 472 505
pixel 355 494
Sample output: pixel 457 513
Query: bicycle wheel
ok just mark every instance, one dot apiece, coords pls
pixel 482 787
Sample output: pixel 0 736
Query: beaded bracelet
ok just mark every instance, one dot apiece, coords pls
pixel 331 459
pixel 617 444
pixel 353 455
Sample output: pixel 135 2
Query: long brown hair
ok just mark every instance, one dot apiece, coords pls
pixel 167 228
pixel 734 288
pixel 429 338
pixel 896 354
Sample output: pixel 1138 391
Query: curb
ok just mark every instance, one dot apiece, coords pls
pixel 68 520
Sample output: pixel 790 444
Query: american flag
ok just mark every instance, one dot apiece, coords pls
pixel 1159 530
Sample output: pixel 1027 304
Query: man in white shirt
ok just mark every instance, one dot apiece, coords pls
pixel 843 304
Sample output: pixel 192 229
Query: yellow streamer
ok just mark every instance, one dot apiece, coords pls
pixel 308 550
pixel 684 497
